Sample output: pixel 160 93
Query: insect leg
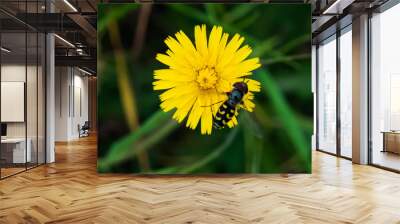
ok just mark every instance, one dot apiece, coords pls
pixel 214 104
pixel 212 112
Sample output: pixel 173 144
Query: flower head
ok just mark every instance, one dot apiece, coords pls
pixel 200 75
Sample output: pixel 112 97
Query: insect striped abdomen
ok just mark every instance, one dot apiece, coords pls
pixel 224 115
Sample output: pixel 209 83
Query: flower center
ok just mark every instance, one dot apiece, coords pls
pixel 207 78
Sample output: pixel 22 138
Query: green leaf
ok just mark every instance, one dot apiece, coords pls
pixel 167 170
pixel 117 12
pixel 248 21
pixel 295 43
pixel 253 144
pixel 238 12
pixel 215 153
pixel 211 12
pixel 287 116
pixel 265 46
pixel 262 117
pixel 190 12
pixel 196 14
pixel 285 58
pixel 153 130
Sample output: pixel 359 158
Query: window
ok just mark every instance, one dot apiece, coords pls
pixel 385 89
pixel 346 92
pixel 22 77
pixel 327 95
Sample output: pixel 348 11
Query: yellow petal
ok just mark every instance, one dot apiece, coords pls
pixel 176 51
pixel 177 102
pixel 165 59
pixel 248 105
pixel 206 121
pixel 240 55
pixel 171 60
pixel 189 49
pixel 195 115
pixel 222 45
pixel 224 86
pixel 233 122
pixel 185 41
pixel 200 35
pixel 163 84
pixel 180 60
pixel 183 108
pixel 174 75
pixel 242 69
pixel 180 90
pixel 216 100
pixel 213 45
pixel 253 85
pixel 206 117
pixel 173 45
pixel 230 50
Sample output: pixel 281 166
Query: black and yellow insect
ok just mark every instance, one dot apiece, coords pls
pixel 229 108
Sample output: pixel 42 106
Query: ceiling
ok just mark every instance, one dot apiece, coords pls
pixel 330 15
pixel 75 22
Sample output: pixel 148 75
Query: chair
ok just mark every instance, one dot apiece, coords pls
pixel 84 130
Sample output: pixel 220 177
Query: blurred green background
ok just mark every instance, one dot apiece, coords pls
pixel 135 136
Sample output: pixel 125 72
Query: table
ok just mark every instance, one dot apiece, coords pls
pixel 391 141
pixel 16 147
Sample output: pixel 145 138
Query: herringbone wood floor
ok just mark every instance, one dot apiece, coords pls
pixel 70 191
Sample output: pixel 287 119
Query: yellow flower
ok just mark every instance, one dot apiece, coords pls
pixel 199 76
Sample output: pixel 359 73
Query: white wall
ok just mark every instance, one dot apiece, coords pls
pixel 62 81
pixel 80 110
pixel 12 73
pixel 71 102
pixel 13 100
pixel 15 73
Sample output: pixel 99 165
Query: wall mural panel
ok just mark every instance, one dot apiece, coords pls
pixel 204 88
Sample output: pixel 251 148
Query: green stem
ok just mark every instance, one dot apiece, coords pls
pixel 253 144
pixel 295 43
pixel 154 129
pixel 281 59
pixel 287 116
pixel 210 157
pixel 125 89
